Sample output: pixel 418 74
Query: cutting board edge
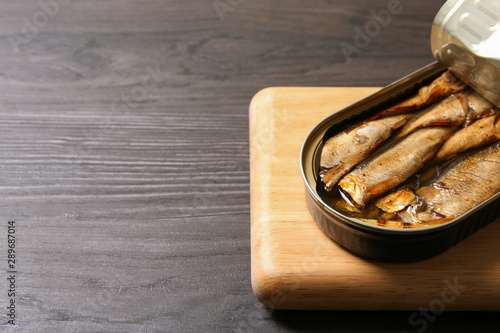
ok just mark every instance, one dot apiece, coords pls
pixel 272 283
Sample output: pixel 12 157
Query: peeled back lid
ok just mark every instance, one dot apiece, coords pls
pixel 465 36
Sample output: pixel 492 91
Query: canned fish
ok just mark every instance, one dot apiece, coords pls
pixel 368 237
pixel 345 217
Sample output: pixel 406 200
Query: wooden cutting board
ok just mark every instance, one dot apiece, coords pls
pixel 296 266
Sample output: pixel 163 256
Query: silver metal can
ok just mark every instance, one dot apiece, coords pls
pixel 466 40
pixel 465 36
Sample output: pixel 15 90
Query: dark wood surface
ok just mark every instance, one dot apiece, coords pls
pixel 124 155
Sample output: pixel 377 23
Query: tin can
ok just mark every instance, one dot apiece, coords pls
pixel 376 242
pixel 465 37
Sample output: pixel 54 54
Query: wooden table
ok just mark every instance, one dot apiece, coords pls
pixel 124 154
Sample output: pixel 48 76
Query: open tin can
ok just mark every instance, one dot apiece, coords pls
pixel 464 39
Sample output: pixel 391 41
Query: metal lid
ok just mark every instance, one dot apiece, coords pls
pixel 465 36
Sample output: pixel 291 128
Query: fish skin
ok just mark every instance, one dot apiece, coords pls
pixel 347 149
pixel 442 87
pixel 470 180
pixel 393 165
pixel 480 133
pixel 396 201
pixel 478 107
pixel 462 108
pixel 449 112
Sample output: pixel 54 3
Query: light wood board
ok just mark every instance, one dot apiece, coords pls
pixel 296 266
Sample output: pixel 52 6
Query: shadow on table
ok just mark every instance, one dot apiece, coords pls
pixel 386 321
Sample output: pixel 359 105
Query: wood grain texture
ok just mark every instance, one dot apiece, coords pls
pixel 133 207
pixel 296 266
